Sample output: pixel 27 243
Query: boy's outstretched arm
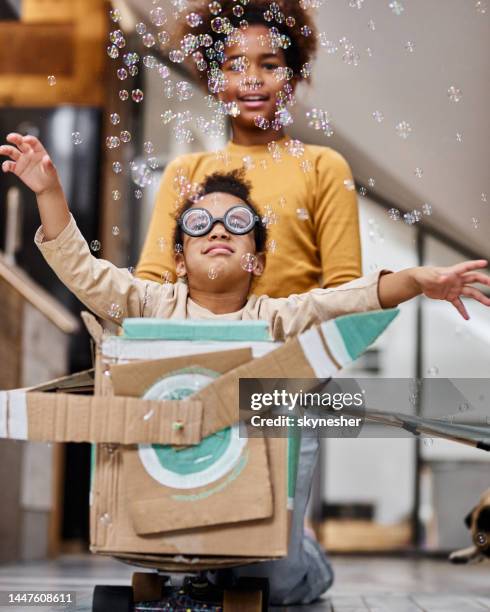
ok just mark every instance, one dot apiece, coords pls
pixel 439 283
pixel 30 161
pixel 110 292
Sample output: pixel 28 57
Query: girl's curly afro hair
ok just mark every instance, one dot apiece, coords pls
pixel 289 17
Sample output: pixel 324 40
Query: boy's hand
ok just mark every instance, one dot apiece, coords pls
pixel 30 162
pixel 453 282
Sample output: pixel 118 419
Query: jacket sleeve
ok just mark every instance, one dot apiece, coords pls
pixel 297 313
pixel 110 292
pixel 336 220
pixel 157 255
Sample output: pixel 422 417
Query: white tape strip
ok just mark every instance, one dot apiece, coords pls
pixel 336 343
pixel 317 357
pixel 17 415
pixel 3 414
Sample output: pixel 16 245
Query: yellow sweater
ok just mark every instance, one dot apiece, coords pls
pixel 314 235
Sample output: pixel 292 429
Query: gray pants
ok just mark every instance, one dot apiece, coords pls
pixel 305 573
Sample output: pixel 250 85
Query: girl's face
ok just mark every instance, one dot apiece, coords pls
pixel 250 68
pixel 219 259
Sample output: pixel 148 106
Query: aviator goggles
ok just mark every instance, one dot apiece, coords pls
pixel 199 221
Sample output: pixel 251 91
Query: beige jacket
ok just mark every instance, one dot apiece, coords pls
pixel 114 293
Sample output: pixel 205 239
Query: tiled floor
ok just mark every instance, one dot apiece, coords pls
pixel 362 584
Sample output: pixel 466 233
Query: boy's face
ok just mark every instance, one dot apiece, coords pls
pixel 218 260
pixel 250 69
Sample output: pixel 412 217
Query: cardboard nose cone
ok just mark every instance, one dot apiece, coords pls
pixel 350 335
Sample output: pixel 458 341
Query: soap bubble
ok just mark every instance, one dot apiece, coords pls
pixel 426 209
pixel 418 172
pixel 271 246
pixel 306 165
pixel 481 6
pixel 76 138
pixel 116 195
pixel 148 147
pixel 484 198
pixel 179 248
pixel 105 519
pixel 138 194
pixel 306 31
pixel 302 214
pixel 51 80
pixel 153 162
pixel 320 120
pixel 163 38
pixel 176 56
pixel 149 61
pixel 115 15
pixel 372 25
pixel 248 262
pixel 428 442
pixel 112 142
pixel 295 148
pixel 157 16
pixel 371 182
pixel 409 46
pixel 133 70
pixel 214 8
pixel 362 191
pixel 115 230
pixel 464 407
pixel 378 116
pixel 433 371
pixel 356 4
pixel 394 214
pixel 117 167
pixel 137 95
pixel 194 19
pixel 481 539
pixel 122 74
pixel 125 136
pixel 454 94
pixel 141 175
pixel 148 40
pixel 115 118
pixel 403 129
pixel 115 311
pixel 123 95
pixel 95 246
pixel 349 184
pixel 212 273
pixel 396 7
pixel 459 137
pixel 261 122
pixel 148 415
pixel 476 222
pixel 184 90
pixel 131 58
pixel 330 46
pixel 140 28
pixel 409 219
pixel 113 51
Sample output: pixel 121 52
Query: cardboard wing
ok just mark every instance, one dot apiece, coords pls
pixel 317 353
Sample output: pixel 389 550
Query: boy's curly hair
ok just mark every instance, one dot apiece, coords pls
pixel 289 17
pixel 234 183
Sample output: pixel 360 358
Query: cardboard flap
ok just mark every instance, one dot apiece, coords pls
pixel 62 417
pixel 162 489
